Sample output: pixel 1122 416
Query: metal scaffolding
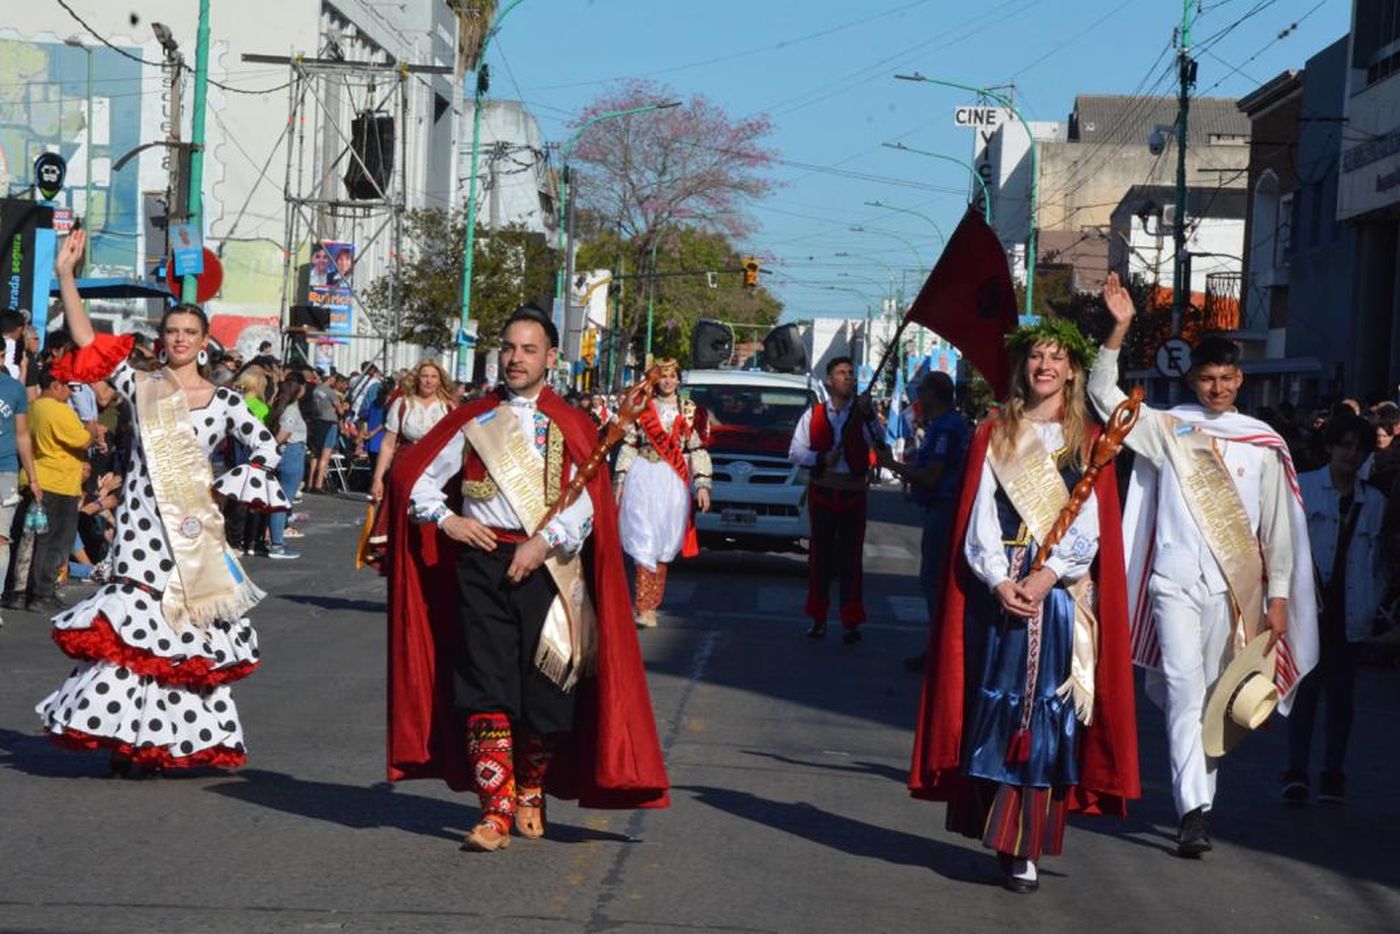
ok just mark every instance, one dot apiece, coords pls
pixel 324 96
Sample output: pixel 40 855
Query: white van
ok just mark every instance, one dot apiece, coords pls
pixel 759 500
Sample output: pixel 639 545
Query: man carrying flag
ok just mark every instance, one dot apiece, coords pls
pixel 833 440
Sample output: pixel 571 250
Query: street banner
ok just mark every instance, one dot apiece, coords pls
pixel 26 258
pixel 331 284
pixel 188 249
pixel 969 300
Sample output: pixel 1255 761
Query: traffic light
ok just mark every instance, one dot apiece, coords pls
pixel 751 272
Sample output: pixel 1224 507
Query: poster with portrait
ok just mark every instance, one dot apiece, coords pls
pixel 331 283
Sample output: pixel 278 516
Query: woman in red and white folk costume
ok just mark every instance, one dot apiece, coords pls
pixel 160 643
pixel 514 667
pixel 1010 770
pixel 663 457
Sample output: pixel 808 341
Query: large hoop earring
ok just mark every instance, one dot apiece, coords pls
pixel 162 357
pixel 203 357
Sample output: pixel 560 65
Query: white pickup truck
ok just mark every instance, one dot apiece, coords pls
pixel 759 500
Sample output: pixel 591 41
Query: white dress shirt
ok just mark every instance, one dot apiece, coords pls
pixel 428 499
pixel 1181 554
pixel 800 450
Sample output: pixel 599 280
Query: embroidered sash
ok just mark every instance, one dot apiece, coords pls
pixel 666 443
pixel 1037 491
pixel 569 637
pixel 207 582
pixel 1214 503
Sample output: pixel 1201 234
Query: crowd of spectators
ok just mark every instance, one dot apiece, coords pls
pixel 64 449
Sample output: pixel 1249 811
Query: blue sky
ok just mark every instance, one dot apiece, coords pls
pixel 823 70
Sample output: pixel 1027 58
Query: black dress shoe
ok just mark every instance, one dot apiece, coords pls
pixel 1192 840
pixel 851 636
pixel 12 601
pixel 1012 883
pixel 817 631
pixel 49 604
pixel 914 664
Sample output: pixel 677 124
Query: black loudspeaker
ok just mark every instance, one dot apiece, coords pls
pixel 372 139
pixel 711 344
pixel 310 317
pixel 784 351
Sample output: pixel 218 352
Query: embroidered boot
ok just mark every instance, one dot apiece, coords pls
pixel 493 771
pixel 532 757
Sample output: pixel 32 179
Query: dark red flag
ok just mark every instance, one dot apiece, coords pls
pixel 969 300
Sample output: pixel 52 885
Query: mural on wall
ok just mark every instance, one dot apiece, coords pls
pixel 44 108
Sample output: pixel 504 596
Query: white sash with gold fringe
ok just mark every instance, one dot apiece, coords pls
pixel 207 582
pixel 1220 515
pixel 569 637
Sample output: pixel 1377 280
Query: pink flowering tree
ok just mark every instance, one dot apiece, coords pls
pixel 647 177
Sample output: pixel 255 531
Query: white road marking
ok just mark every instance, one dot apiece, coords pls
pixel 888 551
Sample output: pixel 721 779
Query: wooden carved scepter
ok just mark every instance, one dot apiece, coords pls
pixel 633 402
pixel 1110 442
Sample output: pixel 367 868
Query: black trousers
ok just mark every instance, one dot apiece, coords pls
pixel 53 548
pixel 1334 678
pixel 501 624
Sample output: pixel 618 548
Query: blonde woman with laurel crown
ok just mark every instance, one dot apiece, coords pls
pixel 1044 724
pixel 159 644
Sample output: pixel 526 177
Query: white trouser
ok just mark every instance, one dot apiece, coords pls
pixel 1193 627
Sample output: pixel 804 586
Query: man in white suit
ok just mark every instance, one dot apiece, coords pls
pixel 1212 525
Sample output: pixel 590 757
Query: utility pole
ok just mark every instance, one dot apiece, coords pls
pixel 465 356
pixel 1186 68
pixel 189 287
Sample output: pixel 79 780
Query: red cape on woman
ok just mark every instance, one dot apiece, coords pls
pixel 612 759
pixel 1108 761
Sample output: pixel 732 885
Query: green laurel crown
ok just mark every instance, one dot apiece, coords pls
pixel 1054 330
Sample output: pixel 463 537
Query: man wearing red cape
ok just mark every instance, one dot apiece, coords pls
pixel 514 668
pixel 1010 771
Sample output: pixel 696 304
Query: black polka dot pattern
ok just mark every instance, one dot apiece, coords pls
pixel 114 703
pixel 196 720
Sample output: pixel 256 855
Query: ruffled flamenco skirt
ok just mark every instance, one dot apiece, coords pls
pixel 144 691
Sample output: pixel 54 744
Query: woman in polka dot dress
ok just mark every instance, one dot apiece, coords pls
pixel 160 643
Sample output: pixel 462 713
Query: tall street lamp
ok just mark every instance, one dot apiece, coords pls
pixel 885 206
pixel 565 153
pixel 857 228
pixel 78 43
pixel 1004 101
pixel 986 192
pixel 483 84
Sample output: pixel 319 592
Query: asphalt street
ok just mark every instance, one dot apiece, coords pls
pixel 788 759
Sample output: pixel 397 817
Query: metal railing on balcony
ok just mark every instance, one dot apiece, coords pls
pixel 1224 294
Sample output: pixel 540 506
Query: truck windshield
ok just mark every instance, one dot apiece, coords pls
pixel 771 408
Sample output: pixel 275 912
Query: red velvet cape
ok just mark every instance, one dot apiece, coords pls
pixel 1108 760
pixel 612 759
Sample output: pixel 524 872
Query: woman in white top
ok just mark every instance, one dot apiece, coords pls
pixel 425 398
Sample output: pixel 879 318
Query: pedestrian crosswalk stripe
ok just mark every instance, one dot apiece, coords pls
pixel 887 551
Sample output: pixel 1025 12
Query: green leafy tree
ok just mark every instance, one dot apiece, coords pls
pixel 688 261
pixel 510 267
